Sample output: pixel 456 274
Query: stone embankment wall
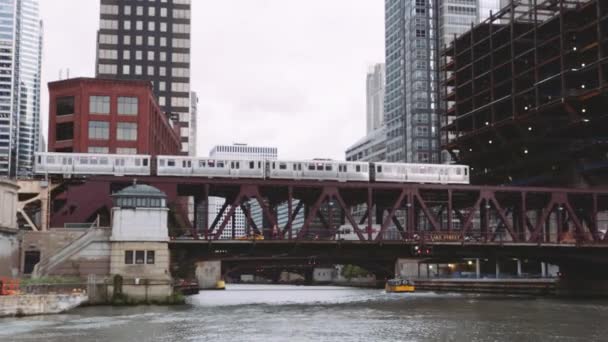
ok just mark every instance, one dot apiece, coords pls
pixel 29 305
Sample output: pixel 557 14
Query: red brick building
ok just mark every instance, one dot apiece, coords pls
pixel 89 115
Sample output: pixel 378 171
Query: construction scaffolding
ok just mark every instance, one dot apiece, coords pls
pixel 525 93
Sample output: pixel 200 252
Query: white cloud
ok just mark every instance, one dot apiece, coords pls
pixel 285 73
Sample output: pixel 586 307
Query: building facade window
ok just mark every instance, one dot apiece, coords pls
pixel 129 258
pixel 98 150
pixel 65 105
pixel 99 130
pixel 126 131
pixel 127 105
pixel 140 257
pixel 99 104
pixel 126 150
pixel 150 257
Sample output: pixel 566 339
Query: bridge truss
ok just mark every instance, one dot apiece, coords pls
pixel 407 212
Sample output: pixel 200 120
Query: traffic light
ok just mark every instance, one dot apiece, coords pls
pixel 418 250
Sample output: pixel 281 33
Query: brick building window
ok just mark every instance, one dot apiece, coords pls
pixel 126 131
pixel 99 105
pixel 65 105
pixel 64 131
pixel 99 130
pixel 127 105
pixel 95 149
pixel 126 150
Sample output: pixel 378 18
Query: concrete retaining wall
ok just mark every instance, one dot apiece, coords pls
pixel 9 253
pixel 29 305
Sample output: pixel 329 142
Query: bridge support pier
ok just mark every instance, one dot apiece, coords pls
pixel 208 273
pixel 407 268
pixel 477 269
pixel 519 268
pixel 497 269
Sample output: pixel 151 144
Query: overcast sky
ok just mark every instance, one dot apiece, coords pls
pixel 283 73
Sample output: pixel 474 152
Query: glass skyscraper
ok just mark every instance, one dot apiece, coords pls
pixel 415 31
pixel 20 65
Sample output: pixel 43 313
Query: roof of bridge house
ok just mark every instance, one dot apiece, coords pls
pixel 140 190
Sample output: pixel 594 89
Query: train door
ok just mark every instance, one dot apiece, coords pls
pixel 235 167
pixel 342 172
pixel 67 164
pixel 443 175
pixel 186 167
pixel 119 166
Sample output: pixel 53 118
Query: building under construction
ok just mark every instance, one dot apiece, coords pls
pixel 526 94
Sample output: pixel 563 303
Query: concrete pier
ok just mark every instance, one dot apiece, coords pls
pixel 208 273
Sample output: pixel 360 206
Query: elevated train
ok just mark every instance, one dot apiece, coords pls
pixel 81 164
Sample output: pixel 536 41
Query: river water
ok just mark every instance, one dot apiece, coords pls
pixel 295 313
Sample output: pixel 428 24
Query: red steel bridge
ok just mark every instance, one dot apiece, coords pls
pixel 375 212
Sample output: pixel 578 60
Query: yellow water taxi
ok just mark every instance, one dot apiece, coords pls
pixel 399 285
pixel 220 285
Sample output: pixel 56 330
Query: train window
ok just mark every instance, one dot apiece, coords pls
pixel 161 162
pixel 252 165
pixel 259 165
pixel 50 160
pixel 220 164
pixel 282 166
pixel 201 163
pixel 232 165
pixel 295 167
pixel 358 168
pixel 238 165
pixel 274 165
pixel 171 163
pixel 104 161
pixel 379 168
pixel 466 171
pixel 320 167
pixel 121 162
pixel 311 167
pixel 211 163
pixel 458 171
pixel 299 167
pixel 84 161
pixel 136 160
pixel 328 167
pixel 94 161
pixel 145 161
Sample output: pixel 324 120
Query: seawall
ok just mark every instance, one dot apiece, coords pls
pixel 30 305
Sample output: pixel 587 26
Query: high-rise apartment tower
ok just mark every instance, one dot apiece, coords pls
pixel 21 54
pixel 150 40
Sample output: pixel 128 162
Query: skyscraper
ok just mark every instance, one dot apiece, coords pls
pixel 411 81
pixel 375 97
pixel 21 54
pixel 415 31
pixel 150 40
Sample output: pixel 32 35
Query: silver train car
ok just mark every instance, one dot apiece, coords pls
pixel 207 167
pixel 420 173
pixel 92 164
pixel 184 166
